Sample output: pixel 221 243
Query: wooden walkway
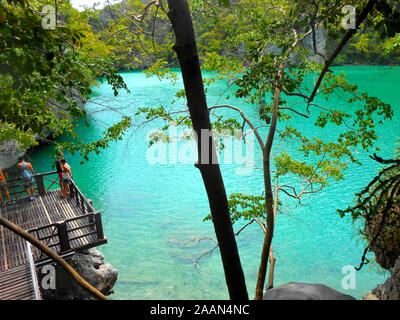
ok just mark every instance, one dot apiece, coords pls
pixel 20 283
pixel 65 225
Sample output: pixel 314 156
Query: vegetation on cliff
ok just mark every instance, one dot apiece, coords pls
pixel 40 68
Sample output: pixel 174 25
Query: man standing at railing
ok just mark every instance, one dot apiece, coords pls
pixel 26 172
pixel 59 168
pixel 3 186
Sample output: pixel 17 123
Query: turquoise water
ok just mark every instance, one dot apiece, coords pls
pixel 153 213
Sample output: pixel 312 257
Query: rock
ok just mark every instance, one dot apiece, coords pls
pixel 390 290
pixel 370 296
pixel 9 153
pixel 90 265
pixel 386 248
pixel 305 291
pixel 320 41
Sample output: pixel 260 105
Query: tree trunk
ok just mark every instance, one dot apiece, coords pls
pixel 272 259
pixel 186 50
pixel 262 271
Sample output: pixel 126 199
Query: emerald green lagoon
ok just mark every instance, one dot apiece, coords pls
pixel 151 211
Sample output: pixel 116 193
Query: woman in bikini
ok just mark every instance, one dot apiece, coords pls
pixel 66 177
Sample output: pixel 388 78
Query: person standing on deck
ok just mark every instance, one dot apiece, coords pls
pixel 66 177
pixel 3 186
pixel 59 168
pixel 26 173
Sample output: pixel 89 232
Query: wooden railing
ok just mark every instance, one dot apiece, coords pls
pixel 17 190
pixel 75 234
pixel 43 183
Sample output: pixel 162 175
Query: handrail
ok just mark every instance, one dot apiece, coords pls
pixel 35 281
pixel 81 200
pixel 63 237
pixel 75 190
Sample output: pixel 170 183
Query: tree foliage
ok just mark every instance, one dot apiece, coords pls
pixel 46 74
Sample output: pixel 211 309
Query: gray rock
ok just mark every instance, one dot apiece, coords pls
pixel 390 290
pixel 387 256
pixel 90 265
pixel 305 291
pixel 9 153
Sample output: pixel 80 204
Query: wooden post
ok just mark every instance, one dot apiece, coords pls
pixel 99 226
pixel 63 236
pixel 91 203
pixel 40 185
pixel 72 190
pixel 90 211
pixel 82 205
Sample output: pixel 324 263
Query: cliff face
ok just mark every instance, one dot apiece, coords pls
pixel 320 44
pixel 91 266
pixel 390 290
pixel 386 249
pixel 308 44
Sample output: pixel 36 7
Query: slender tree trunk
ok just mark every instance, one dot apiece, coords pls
pixel 186 50
pixel 272 259
pixel 262 271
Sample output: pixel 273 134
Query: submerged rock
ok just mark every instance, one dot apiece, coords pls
pixel 90 265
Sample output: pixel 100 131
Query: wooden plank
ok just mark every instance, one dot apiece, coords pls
pixel 4 252
pixel 45 210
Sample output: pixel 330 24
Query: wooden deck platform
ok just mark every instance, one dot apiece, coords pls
pixel 20 283
pixel 65 225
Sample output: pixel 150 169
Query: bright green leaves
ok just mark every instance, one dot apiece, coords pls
pixel 333 82
pixel 336 117
pixel 324 160
pixel 223 65
pixel 245 207
pixel 160 69
pixel 113 133
pixel 9 132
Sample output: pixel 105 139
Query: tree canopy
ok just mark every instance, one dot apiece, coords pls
pixel 46 74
